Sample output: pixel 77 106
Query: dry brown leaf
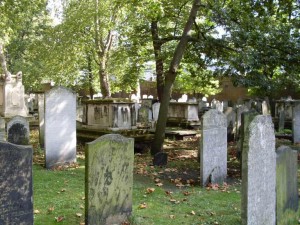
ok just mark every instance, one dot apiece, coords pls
pixel 172 216
pixel 193 212
pixel 59 218
pixel 150 190
pixel 159 184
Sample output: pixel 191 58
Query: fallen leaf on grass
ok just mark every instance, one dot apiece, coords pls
pixel 169 192
pixel 157 180
pixel 59 218
pixel 79 214
pixel 36 211
pixel 143 206
pixel 63 190
pixel 81 206
pixel 150 190
pixel 193 212
pixel 172 216
pixel 186 193
pixel 159 184
pixel 50 209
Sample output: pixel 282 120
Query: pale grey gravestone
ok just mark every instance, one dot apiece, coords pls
pixel 213 148
pixel 60 127
pixel 155 110
pixel 192 112
pixel 225 105
pixel 213 104
pixel 41 111
pixel 219 106
pixel 18 130
pixel 109 180
pixel 286 182
pixel 296 122
pixel 259 174
pixel 239 110
pixel 16 198
pixel 201 106
pixel 265 108
pixel 2 129
pixel 133 114
pixel 231 120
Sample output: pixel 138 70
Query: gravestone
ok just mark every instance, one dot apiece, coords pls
pixel 281 120
pixel 239 111
pixel 18 131
pixel 296 122
pixel 155 110
pixel 213 148
pixel 16 204
pixel 286 182
pixel 231 121
pixel 60 127
pixel 109 179
pixel 259 174
pixel 246 119
pixel 2 129
pixel 41 110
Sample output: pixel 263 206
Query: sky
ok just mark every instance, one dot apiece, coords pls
pixel 55 8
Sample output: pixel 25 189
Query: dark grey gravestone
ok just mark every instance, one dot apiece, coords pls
pixel 109 180
pixel 213 148
pixel 259 174
pixel 286 182
pixel 2 129
pixel 18 131
pixel 160 159
pixel 296 122
pixel 60 127
pixel 16 204
pixel 246 119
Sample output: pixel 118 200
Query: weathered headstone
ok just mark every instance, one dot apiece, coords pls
pixel 243 143
pixel 281 120
pixel 239 111
pixel 16 204
pixel 213 148
pixel 286 182
pixel 2 129
pixel 296 122
pixel 60 127
pixel 18 131
pixel 155 110
pixel 259 174
pixel 109 179
pixel 41 110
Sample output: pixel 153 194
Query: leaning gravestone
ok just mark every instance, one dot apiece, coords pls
pixel 286 182
pixel 109 179
pixel 213 148
pixel 18 131
pixel 60 127
pixel 16 204
pixel 259 174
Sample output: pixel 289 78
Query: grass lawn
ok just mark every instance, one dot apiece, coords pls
pixel 169 195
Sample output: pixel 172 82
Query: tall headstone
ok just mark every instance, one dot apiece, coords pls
pixel 18 131
pixel 109 179
pixel 2 129
pixel 259 174
pixel 16 204
pixel 41 111
pixel 239 111
pixel 155 110
pixel 246 119
pixel 60 127
pixel 12 100
pixel 286 182
pixel 213 148
pixel 296 122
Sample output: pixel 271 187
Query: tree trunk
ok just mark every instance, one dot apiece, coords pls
pixel 159 65
pixel 104 81
pixel 90 75
pixel 3 62
pixel 157 144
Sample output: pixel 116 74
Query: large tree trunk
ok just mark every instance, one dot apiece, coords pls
pixel 157 144
pixel 3 61
pixel 104 81
pixel 90 75
pixel 159 66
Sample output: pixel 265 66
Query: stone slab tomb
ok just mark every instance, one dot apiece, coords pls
pixel 259 174
pixel 109 180
pixel 213 148
pixel 16 204
pixel 18 131
pixel 60 127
